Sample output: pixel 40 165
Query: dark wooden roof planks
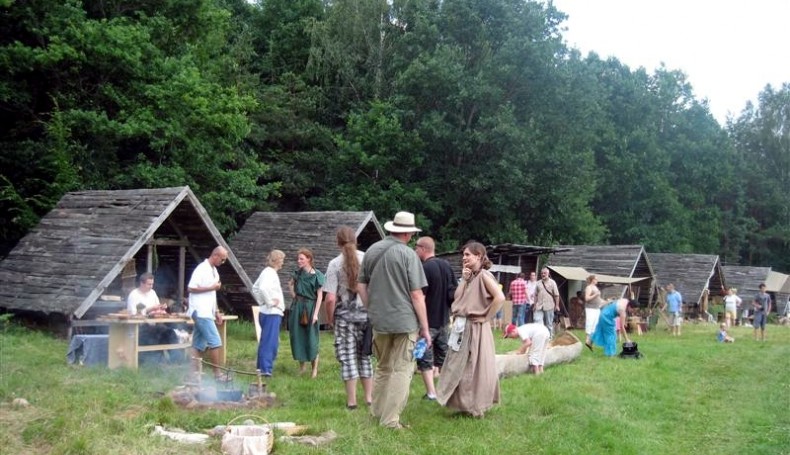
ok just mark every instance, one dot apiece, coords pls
pixel 78 251
pixel 289 231
pixel 746 279
pixel 618 260
pixel 691 274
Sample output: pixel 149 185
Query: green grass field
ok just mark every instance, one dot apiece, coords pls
pixel 688 395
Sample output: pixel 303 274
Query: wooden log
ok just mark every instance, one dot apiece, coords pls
pixel 564 348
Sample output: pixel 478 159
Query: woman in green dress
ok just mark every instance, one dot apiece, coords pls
pixel 305 286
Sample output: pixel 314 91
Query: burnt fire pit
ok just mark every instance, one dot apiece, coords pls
pixel 222 395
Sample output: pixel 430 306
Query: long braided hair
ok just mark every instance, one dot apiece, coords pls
pixel 347 241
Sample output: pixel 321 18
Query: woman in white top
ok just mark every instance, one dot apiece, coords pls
pixel 269 294
pixel 592 308
pixel 731 304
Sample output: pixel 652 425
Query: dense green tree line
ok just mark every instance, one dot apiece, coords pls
pixel 474 114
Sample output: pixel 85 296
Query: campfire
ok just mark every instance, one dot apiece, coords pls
pixel 203 393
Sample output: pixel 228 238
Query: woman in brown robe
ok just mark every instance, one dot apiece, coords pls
pixel 469 381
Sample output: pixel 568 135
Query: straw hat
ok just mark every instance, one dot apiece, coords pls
pixel 403 222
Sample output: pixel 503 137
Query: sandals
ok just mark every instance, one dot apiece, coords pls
pixel 589 346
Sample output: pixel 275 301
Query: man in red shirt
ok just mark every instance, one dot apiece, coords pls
pixel 518 295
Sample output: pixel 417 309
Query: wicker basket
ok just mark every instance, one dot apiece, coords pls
pixel 247 439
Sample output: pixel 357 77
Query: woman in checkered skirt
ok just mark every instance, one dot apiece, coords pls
pixel 350 318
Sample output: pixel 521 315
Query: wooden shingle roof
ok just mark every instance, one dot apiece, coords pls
pixel 746 279
pixel 289 231
pixel 618 260
pixel 79 249
pixel 691 274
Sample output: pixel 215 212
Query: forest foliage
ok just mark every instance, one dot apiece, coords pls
pixel 473 114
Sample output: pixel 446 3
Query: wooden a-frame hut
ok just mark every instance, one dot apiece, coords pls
pixel 628 261
pixel 289 231
pixel 747 279
pixel 83 257
pixel 691 274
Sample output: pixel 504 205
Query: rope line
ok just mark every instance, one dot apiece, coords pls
pixel 227 369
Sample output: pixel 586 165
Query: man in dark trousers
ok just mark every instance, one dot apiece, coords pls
pixel 762 307
pixel 438 299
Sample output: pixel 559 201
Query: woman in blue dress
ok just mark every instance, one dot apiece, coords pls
pixel 605 334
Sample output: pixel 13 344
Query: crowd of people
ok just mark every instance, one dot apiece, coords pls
pixel 381 302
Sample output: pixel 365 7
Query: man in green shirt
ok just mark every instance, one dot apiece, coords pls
pixel 391 279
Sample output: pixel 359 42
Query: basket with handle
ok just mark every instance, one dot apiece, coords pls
pixel 247 439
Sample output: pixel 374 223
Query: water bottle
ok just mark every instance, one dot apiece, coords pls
pixel 419 348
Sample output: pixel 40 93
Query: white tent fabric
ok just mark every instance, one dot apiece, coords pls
pixel 514 269
pixel 777 282
pixel 580 274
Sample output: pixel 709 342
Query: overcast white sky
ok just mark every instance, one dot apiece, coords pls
pixel 728 49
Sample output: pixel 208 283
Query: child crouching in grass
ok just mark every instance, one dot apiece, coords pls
pixel 723 337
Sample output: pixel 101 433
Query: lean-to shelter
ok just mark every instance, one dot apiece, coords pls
pixel 289 231
pixel 691 274
pixel 747 279
pixel 627 261
pixel 83 257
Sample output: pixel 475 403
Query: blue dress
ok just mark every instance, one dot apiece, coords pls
pixel 605 334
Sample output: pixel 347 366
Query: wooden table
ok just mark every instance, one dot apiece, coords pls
pixel 124 339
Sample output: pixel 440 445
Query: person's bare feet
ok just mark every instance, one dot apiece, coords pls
pixel 314 365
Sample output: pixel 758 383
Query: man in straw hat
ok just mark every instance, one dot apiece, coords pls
pixel 391 279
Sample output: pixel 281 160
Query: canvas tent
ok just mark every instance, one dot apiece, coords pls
pixel 580 274
pixel 779 285
pixel 691 274
pixel 85 253
pixel 777 282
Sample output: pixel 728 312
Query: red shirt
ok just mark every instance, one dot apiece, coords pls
pixel 518 291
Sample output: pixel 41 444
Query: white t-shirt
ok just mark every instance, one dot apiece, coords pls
pixel 267 288
pixel 540 337
pixel 532 287
pixel 149 299
pixel 349 304
pixel 204 304
pixel 731 303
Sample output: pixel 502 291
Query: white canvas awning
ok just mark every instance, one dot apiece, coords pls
pixel 580 274
pixel 777 282
pixel 514 269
